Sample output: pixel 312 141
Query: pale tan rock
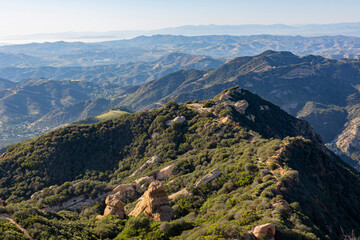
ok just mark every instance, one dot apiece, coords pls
pixel 182 192
pixel 241 106
pixel 114 206
pixel 155 203
pixel 140 183
pixel 124 192
pixel 227 98
pixel 165 172
pixel 207 178
pixel 266 231
pixel 177 119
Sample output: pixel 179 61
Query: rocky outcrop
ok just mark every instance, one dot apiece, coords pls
pixel 177 119
pixel 153 160
pixel 207 178
pixel 241 106
pixel 182 192
pixel 266 231
pixel 140 183
pixel 114 206
pixel 154 203
pixel 165 172
pixel 227 98
pixel 125 192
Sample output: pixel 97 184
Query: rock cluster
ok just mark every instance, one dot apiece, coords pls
pixel 114 201
pixel 154 203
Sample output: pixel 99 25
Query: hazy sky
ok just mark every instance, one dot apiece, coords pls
pixel 19 17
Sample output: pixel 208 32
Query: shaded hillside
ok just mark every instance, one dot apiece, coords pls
pixel 272 168
pixel 4 84
pixel 131 73
pixel 39 105
pixel 295 83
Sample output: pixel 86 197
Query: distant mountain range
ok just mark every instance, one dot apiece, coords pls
pixel 325 92
pixel 126 74
pixel 36 105
pixel 150 48
pixel 346 29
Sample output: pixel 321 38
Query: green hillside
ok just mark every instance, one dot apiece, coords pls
pixel 273 168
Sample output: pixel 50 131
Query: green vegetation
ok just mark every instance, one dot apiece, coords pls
pixel 273 170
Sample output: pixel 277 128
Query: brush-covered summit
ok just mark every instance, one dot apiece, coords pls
pixel 212 169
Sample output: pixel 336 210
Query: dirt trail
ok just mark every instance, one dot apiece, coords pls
pixel 8 217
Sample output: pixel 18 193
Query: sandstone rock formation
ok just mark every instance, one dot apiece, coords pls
pixel 177 119
pixel 207 178
pixel 165 172
pixel 266 231
pixel 114 206
pixel 155 203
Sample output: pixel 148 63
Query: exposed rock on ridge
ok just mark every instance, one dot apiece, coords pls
pixel 154 204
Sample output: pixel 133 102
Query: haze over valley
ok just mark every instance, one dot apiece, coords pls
pixel 180 120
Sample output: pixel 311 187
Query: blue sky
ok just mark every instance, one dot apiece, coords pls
pixel 19 17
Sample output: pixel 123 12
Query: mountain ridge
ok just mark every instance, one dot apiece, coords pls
pixel 266 158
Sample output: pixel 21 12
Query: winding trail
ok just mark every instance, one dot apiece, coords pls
pixel 9 218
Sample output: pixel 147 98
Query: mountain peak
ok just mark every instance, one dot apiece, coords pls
pixel 277 53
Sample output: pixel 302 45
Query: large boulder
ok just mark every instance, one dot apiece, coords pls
pixel 266 231
pixel 154 203
pixel 241 106
pixel 114 206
